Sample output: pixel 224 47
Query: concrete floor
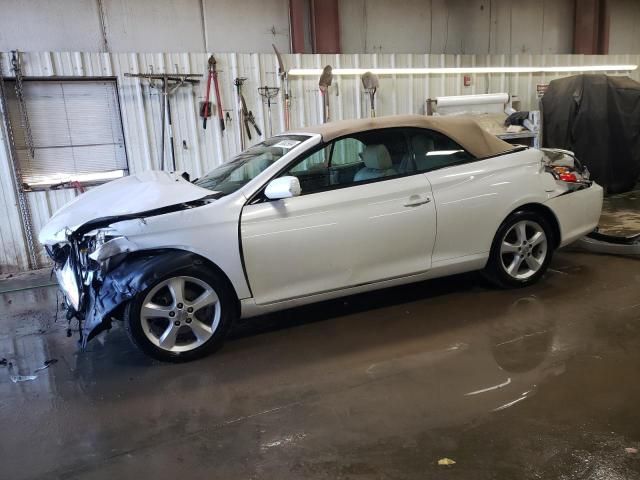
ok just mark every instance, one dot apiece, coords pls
pixel 534 383
pixel 621 214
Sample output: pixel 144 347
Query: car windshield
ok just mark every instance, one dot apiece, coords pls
pixel 231 176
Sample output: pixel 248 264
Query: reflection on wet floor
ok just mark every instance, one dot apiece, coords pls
pixel 534 383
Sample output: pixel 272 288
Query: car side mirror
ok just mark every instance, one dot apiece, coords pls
pixel 283 187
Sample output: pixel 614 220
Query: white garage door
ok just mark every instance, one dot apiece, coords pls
pixel 76 130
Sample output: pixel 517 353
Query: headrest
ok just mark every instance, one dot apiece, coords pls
pixel 377 157
pixel 422 144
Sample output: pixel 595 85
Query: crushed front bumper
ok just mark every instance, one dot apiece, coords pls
pixel 102 296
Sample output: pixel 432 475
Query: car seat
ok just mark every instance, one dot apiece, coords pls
pixel 377 164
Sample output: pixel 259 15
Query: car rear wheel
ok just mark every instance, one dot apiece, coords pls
pixel 183 316
pixel 521 250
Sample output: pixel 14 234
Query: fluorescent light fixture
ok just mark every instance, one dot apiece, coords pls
pixel 302 72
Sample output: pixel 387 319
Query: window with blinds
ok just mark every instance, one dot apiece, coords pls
pixel 76 132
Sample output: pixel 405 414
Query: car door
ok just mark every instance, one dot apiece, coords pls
pixel 345 229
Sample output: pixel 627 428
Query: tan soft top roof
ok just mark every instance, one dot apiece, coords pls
pixel 463 130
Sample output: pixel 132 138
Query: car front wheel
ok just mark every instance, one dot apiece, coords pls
pixel 521 250
pixel 183 316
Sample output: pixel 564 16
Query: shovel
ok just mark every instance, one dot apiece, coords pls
pixel 370 84
pixel 324 84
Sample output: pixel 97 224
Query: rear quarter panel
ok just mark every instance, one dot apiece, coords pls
pixel 472 200
pixel 578 213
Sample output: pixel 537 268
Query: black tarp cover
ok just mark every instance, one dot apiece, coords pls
pixel 598 118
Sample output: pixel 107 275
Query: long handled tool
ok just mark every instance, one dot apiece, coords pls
pixel 284 79
pixel 212 78
pixel 212 61
pixel 205 112
pixel 170 128
pixel 245 116
pixel 324 84
pixel 249 119
pixel 370 84
pixel 267 94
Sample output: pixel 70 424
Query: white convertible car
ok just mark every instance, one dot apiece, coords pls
pixel 302 217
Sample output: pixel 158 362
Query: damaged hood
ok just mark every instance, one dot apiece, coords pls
pixel 125 196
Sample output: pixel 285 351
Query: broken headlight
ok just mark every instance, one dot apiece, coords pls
pixel 109 247
pixel 69 285
pixel 58 253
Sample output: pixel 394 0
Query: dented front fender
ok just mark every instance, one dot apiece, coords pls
pixel 134 275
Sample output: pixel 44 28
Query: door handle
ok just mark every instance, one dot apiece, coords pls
pixel 416 200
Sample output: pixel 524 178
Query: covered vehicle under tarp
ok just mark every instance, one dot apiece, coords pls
pixel 598 118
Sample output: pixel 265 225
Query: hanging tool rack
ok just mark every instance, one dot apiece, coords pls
pixel 18 183
pixel 167 84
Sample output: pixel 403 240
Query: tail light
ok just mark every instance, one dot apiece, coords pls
pixel 568 175
pixel 568 172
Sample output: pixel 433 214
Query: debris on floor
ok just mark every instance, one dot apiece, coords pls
pixel 631 450
pixel 446 461
pixel 28 378
pixel 47 364
pixel 22 378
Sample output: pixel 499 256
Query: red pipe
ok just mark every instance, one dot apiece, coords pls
pixel 325 19
pixel 296 19
pixel 591 27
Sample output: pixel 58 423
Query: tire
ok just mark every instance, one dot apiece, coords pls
pixel 518 257
pixel 183 316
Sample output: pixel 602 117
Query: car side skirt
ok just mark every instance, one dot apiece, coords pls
pixel 249 308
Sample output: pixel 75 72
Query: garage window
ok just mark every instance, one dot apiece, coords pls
pixel 76 131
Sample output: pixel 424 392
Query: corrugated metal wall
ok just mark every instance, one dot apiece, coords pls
pixel 198 150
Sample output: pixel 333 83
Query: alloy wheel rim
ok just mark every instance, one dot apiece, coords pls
pixel 523 249
pixel 180 314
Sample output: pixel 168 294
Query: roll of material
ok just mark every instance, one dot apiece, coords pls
pixel 466 100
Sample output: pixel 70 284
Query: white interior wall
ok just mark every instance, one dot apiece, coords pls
pixel 366 26
pixel 153 26
pixel 624 26
pixel 39 25
pixel 457 26
pixel 145 25
pixel 247 26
